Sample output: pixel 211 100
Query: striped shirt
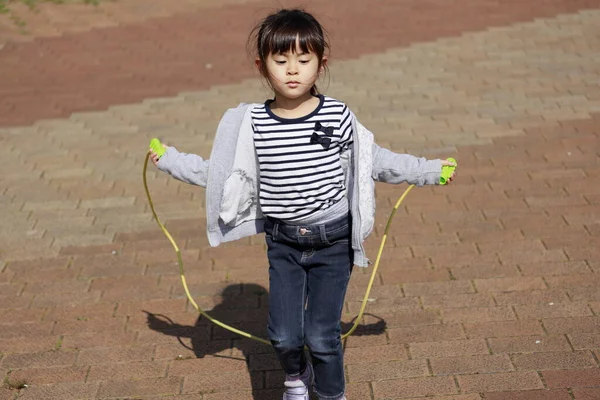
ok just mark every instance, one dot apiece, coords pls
pixel 299 159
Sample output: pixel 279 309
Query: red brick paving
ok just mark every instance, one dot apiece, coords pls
pixel 521 350
pixel 47 20
pixel 53 77
pixel 502 305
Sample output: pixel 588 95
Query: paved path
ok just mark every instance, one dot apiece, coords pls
pixel 489 289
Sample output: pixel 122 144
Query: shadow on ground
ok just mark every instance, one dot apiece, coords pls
pixel 243 306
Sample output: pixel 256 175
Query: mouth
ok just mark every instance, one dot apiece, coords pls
pixel 293 84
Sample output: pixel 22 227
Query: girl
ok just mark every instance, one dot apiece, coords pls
pixel 300 168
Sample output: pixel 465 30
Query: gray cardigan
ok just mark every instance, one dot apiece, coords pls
pixel 232 179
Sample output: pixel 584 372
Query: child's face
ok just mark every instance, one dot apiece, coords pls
pixel 293 74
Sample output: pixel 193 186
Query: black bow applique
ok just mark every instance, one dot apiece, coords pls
pixel 322 140
pixel 327 130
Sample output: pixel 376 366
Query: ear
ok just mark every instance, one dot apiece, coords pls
pixel 257 63
pixel 323 65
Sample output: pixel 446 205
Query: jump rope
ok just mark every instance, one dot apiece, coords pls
pixel 157 147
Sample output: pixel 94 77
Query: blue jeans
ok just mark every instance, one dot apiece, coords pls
pixel 309 270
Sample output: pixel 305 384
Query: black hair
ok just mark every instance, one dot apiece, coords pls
pixel 279 33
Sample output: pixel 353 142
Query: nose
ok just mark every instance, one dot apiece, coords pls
pixel 292 68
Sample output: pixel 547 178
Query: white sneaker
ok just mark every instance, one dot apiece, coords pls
pixel 295 390
pixel 298 389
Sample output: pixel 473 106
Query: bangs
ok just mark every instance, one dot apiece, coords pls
pixel 289 39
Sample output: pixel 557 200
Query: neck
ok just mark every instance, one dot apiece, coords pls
pixel 285 107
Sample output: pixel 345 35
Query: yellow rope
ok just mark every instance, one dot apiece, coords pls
pixel 246 334
pixel 376 265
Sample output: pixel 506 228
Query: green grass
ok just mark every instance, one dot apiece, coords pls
pixel 14 384
pixel 6 7
pixel 58 344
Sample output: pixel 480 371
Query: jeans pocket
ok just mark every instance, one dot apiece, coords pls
pixel 339 235
pixel 330 242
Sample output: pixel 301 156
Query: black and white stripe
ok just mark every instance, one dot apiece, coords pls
pixel 297 177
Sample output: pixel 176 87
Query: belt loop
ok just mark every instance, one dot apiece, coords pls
pixel 323 233
pixel 275 230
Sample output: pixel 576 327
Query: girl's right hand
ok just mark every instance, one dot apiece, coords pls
pixel 448 163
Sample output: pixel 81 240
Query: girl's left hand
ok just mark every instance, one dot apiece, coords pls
pixel 155 157
pixel 446 163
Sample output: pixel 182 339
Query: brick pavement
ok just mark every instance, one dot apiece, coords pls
pixel 24 24
pixel 165 55
pixel 489 289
